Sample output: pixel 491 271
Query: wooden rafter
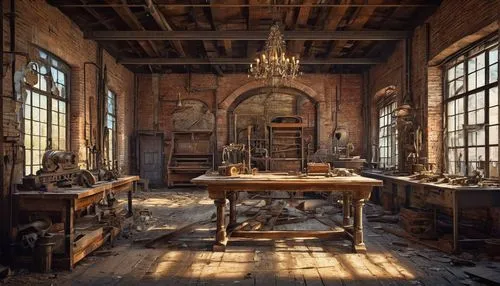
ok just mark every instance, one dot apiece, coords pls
pixel 164 25
pixel 296 47
pixel 241 61
pixel 361 17
pixel 131 20
pixel 246 35
pixel 106 24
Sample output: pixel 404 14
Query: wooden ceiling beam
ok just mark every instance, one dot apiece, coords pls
pixel 264 4
pixel 297 47
pixel 354 35
pixel 359 20
pixel 164 25
pixel 108 25
pixel 131 20
pixel 242 61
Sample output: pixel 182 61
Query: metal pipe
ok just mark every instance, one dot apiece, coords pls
pixel 3 206
pixel 88 142
pixel 12 26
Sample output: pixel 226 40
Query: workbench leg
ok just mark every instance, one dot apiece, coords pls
pixel 358 243
pixel 346 209
pixel 455 222
pixel 220 236
pixel 232 197
pixel 68 216
pixel 129 194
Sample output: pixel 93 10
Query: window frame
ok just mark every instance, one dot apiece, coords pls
pixel 65 69
pixel 390 103
pixel 114 115
pixel 482 47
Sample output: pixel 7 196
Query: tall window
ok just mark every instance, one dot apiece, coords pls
pixel 111 128
pixel 471 96
pixel 387 137
pixel 46 111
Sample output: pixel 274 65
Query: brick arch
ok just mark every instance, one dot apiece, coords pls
pixel 254 85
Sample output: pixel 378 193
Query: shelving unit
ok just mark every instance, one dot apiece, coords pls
pixel 191 155
pixel 286 142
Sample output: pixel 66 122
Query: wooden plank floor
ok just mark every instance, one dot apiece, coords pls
pixel 189 260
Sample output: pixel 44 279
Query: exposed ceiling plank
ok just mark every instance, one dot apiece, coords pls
pixel 129 18
pixel 359 21
pixel 202 20
pixel 264 4
pixel 106 24
pixel 247 35
pixel 164 25
pixel 242 61
pixel 296 47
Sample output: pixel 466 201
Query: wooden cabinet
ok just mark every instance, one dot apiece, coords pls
pixel 286 142
pixel 191 154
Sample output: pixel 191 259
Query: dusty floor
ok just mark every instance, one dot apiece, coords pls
pixel 188 259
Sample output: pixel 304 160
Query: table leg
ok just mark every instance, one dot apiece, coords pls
pixel 346 204
pixel 455 222
pixel 358 243
pixel 68 216
pixel 129 194
pixel 232 197
pixel 220 236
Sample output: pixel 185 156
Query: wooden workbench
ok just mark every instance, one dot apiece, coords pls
pixel 66 202
pixel 356 188
pixel 454 196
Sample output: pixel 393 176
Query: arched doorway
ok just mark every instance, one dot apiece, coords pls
pixel 257 108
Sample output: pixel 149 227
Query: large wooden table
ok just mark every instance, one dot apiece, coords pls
pixel 356 189
pixel 66 202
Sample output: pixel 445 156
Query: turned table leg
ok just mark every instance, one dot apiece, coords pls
pixel 346 209
pixel 232 197
pixel 220 236
pixel 358 243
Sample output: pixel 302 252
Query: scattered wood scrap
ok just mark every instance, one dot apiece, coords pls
pixel 485 274
pixel 172 234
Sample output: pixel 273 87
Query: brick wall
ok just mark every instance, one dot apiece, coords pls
pixel 42 25
pixel 219 93
pixel 455 24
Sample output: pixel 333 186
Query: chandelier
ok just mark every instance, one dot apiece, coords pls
pixel 273 65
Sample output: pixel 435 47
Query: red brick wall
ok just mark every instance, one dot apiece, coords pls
pixel 455 24
pixel 219 92
pixel 40 24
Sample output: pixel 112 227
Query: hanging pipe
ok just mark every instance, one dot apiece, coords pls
pixel 88 141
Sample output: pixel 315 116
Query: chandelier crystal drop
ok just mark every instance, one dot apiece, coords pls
pixel 272 64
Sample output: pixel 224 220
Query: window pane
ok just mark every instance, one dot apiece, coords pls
pixel 493 135
pixel 493 96
pixel 43 101
pixel 493 162
pixel 493 115
pixel 451 73
pixel 471 102
pixel 54 105
pixel 36 157
pixel 36 99
pixel 471 65
pixel 481 77
pixel 460 105
pixel 451 108
pixel 55 131
pixel 62 106
pixel 43 143
pixel 493 56
pixel 459 86
pixel 493 73
pixel 27 112
pixel 472 81
pixel 62 119
pixel 36 128
pixel 43 115
pixel 27 142
pixel 27 126
pixel 43 129
pixel 459 70
pixel 480 61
